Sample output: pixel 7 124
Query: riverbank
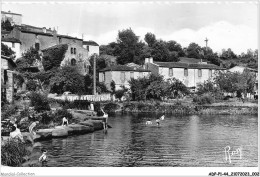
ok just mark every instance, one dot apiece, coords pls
pixel 184 107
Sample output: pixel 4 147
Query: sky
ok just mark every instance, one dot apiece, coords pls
pixel 226 25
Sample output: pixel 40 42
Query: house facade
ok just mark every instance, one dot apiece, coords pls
pixel 74 56
pixel 39 38
pixel 121 75
pixel 14 18
pixel 7 79
pixel 91 46
pixel 14 44
pixel 191 74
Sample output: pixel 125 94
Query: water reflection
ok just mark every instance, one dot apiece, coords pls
pixel 179 141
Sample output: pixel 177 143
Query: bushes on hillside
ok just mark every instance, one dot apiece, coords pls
pixel 203 99
pixel 39 102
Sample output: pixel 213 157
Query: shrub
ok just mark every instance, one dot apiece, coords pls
pixel 13 153
pixel 111 107
pixel 119 94
pixel 203 99
pixel 39 102
pixel 31 85
pixel 8 111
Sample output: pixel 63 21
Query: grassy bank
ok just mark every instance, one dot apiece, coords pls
pixel 184 107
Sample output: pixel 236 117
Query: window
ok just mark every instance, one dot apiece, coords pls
pixel 59 40
pixel 37 46
pixel 199 73
pixel 122 77
pixel 210 72
pixel 170 72
pixel 102 77
pixel 71 50
pixel 131 74
pixel 185 72
pixel 140 74
pixel 73 62
pixel 74 50
pixel 13 45
pixel 87 48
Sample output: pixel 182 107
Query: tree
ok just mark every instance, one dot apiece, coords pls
pixel 129 47
pixel 160 51
pixel 150 39
pixel 235 81
pixel 227 54
pixel 6 25
pixel 53 57
pixel 173 46
pixel 176 87
pixel 194 50
pixel 7 51
pixel 113 86
pixel 67 78
pixel 28 59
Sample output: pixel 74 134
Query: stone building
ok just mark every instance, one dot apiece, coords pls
pixel 73 55
pixel 14 44
pixel 39 38
pixel 91 46
pixel 13 18
pixel 7 78
pixel 121 75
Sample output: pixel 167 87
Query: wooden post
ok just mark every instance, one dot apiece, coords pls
pixel 94 75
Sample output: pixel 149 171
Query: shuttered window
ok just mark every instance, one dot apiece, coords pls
pixel 185 72
pixel 200 73
pixel 122 77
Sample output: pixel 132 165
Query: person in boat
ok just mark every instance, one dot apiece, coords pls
pixel 43 158
pixel 16 134
pixel 65 121
pixel 31 127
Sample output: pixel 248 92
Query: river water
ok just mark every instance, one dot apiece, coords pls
pixel 181 141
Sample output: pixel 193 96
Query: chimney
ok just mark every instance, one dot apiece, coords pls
pixel 44 30
pixel 151 60
pixel 146 60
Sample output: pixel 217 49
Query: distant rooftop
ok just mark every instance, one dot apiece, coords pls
pixel 93 43
pixel 13 40
pixel 187 65
pixel 42 31
pixel 123 68
pixel 190 60
pixel 9 12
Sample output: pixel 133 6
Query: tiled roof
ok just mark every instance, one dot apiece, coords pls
pixel 93 43
pixel 55 47
pixel 172 64
pixel 187 65
pixel 123 68
pixel 35 30
pixel 8 59
pixel 3 12
pixel 190 60
pixel 14 40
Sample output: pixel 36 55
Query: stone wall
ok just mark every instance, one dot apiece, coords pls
pixel 10 86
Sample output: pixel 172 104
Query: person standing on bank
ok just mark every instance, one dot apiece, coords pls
pixel 158 122
pixel 31 127
pixel 43 159
pixel 65 121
